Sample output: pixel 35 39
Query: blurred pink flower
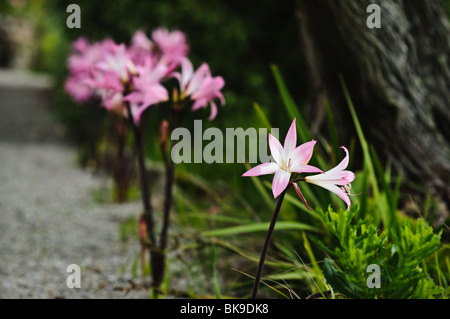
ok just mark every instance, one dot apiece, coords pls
pixel 288 159
pixel 86 55
pixel 141 48
pixel 200 86
pixel 82 64
pixel 147 88
pixel 117 63
pixel 79 91
pixel 336 176
pixel 172 46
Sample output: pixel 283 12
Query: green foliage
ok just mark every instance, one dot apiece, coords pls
pixel 373 232
pixel 400 258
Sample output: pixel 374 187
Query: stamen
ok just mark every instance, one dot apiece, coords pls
pixel 346 189
pixel 285 167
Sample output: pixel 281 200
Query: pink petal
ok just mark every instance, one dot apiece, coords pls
pixel 276 149
pixel 280 182
pixel 262 169
pixel 303 153
pixel 290 142
pixel 213 111
pixel 197 79
pixel 338 178
pixel 187 70
pixel 338 191
pixel 305 169
pixel 342 165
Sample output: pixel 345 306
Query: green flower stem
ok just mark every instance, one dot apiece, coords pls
pixel 267 243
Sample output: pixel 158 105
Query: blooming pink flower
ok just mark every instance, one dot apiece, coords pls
pixel 117 63
pixel 81 45
pixel 288 159
pixel 171 45
pixel 147 88
pixel 79 91
pixel 336 176
pixel 82 67
pixel 85 56
pixel 200 86
pixel 141 48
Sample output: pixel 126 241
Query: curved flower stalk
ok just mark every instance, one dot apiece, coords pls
pixel 335 177
pixel 288 159
pixel 200 86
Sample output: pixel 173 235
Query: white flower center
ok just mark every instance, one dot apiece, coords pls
pixel 286 166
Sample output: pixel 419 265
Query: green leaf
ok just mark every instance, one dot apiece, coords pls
pixel 214 272
pixel 262 116
pixel 260 188
pixel 258 227
pixel 290 105
pixel 340 281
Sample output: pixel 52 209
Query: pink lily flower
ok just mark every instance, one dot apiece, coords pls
pixel 79 91
pixel 147 88
pixel 335 176
pixel 171 45
pixel 200 86
pixel 118 63
pixel 80 64
pixel 85 56
pixel 288 159
pixel 141 48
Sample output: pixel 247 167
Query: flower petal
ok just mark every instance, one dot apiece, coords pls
pixel 333 188
pixel 305 169
pixel 290 142
pixel 338 178
pixel 262 169
pixel 276 149
pixel 342 165
pixel 303 153
pixel 213 111
pixel 280 182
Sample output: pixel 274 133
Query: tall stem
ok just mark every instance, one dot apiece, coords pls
pixel 170 173
pixel 145 191
pixel 120 170
pixel 168 194
pixel 266 244
pixel 159 257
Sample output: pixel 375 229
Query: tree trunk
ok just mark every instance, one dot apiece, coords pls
pixel 398 77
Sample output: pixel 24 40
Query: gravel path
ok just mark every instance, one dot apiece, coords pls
pixel 49 217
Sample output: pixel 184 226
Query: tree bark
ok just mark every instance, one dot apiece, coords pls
pixel 398 77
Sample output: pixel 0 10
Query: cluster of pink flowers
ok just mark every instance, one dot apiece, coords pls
pixel 136 74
